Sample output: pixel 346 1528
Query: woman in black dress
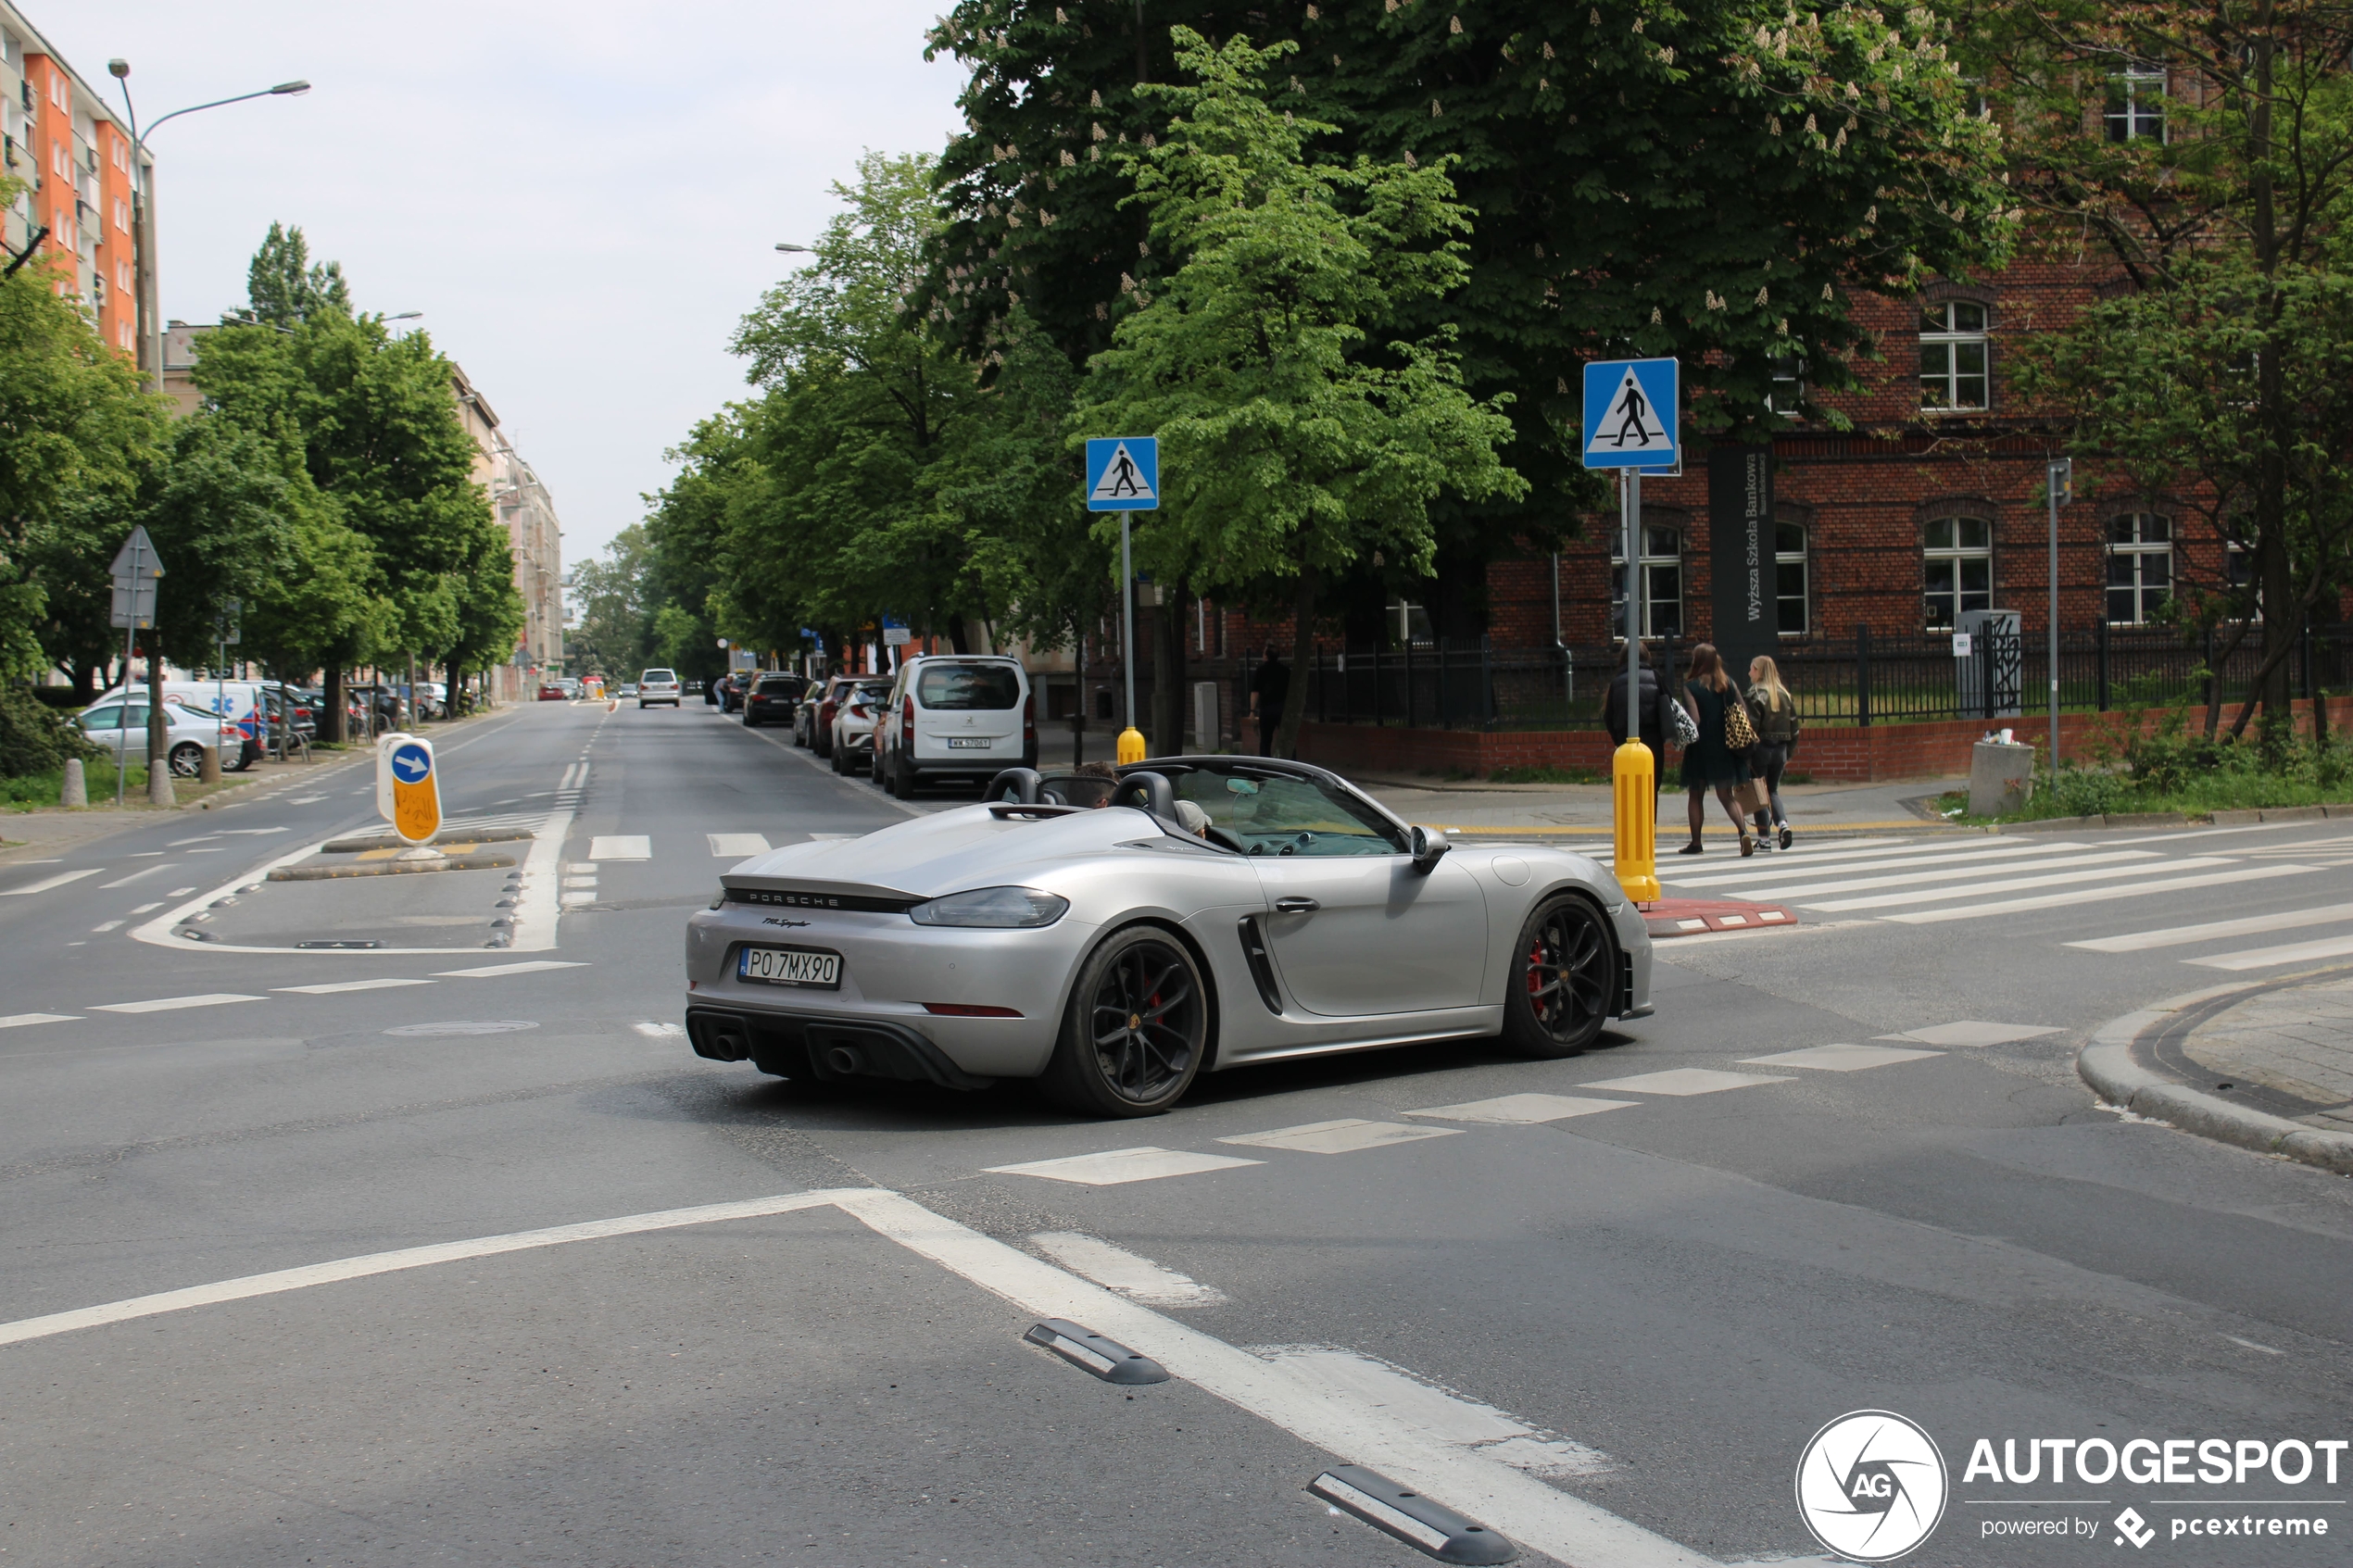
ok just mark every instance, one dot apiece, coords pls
pixel 1709 761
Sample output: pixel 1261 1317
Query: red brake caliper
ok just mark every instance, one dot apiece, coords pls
pixel 1535 961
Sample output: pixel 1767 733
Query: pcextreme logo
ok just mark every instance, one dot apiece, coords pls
pixel 1871 1485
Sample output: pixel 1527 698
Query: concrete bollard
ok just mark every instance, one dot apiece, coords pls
pixel 2001 777
pixel 76 791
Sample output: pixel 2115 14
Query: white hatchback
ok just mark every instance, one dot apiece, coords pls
pixel 658 685
pixel 191 732
pixel 955 717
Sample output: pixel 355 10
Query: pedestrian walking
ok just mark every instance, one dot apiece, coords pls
pixel 1268 687
pixel 1772 713
pixel 1718 759
pixel 1651 703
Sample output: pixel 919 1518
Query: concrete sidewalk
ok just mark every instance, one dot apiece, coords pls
pixel 1584 811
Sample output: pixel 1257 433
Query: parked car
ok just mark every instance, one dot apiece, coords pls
pixel 121 725
pixel 658 685
pixel 827 701
pixel 773 696
pixel 851 741
pixel 1264 909
pixel 955 718
pixel 237 701
pixel 550 691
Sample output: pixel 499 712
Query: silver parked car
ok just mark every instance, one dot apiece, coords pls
pixel 857 715
pixel 1213 913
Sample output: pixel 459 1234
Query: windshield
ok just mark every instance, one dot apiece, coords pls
pixel 789 685
pixel 1276 814
pixel 955 687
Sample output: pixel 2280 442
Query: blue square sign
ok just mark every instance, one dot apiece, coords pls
pixel 1630 408
pixel 1122 474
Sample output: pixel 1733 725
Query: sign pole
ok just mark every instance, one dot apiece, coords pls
pixel 1131 739
pixel 2060 482
pixel 122 714
pixel 1633 771
pixel 1123 475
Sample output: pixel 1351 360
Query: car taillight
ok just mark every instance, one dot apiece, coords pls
pixel 857 711
pixel 907 737
pixel 1029 720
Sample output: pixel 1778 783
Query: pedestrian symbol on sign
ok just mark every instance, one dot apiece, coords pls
pixel 1631 425
pixel 1122 480
pixel 1631 409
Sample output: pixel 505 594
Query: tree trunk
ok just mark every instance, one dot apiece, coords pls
pixel 159 735
pixel 1303 650
pixel 330 726
pixel 1168 672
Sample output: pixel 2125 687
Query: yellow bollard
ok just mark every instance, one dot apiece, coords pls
pixel 1131 746
pixel 1637 825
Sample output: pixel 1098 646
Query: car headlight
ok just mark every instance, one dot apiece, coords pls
pixel 1002 907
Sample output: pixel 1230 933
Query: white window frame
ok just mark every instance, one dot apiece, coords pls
pixel 1783 559
pixel 2137 550
pixel 1958 553
pixel 1949 340
pixel 2136 109
pixel 1661 564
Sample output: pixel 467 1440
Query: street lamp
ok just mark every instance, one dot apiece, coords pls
pixel 143 205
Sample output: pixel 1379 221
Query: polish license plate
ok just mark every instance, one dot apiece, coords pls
pixel 812 968
pixel 975 743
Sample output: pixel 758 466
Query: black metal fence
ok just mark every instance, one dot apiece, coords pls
pixel 1864 678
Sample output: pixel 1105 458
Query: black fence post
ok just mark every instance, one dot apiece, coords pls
pixel 2099 638
pixel 1445 707
pixel 1487 681
pixel 1863 676
pixel 1411 708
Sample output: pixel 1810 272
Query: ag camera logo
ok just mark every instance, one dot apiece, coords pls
pixel 1871 1485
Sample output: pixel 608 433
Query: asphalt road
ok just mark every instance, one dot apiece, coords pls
pixel 1609 1335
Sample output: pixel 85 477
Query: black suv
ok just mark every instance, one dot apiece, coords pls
pixel 773 696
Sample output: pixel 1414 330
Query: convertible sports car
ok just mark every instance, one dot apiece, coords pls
pixel 1214 911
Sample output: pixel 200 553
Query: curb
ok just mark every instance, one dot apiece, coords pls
pixel 2109 1066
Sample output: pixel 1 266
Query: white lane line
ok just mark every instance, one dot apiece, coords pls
pixel 2096 895
pixel 1522 1111
pixel 1116 1167
pixel 173 1004
pixel 1813 865
pixel 2249 925
pixel 1116 1268
pixel 488 971
pixel 105 926
pixel 1344 1136
pixel 737 846
pixel 2018 884
pixel 653 1030
pixel 48 882
pixel 1975 1032
pixel 146 908
pixel 1529 1510
pixel 622 846
pixel 1908 878
pixel 1839 1059
pixel 1455 1419
pixel 337 986
pixel 537 912
pixel 1680 1081
pixel 19 1019
pixel 2264 958
pixel 388 1263
pixel 181 892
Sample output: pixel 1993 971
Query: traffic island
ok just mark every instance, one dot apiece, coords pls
pixel 2266 1066
pixel 1689 917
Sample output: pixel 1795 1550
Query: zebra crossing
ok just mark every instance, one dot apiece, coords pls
pixel 1933 882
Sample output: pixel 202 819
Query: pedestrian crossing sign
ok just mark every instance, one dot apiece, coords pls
pixel 1630 414
pixel 1122 474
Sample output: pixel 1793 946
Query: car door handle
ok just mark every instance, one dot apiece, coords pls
pixel 1296 905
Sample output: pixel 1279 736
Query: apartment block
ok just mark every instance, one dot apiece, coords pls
pixel 535 543
pixel 73 154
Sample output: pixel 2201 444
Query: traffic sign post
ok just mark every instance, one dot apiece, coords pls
pixel 1632 423
pixel 1123 475
pixel 409 793
pixel 137 569
pixel 2061 480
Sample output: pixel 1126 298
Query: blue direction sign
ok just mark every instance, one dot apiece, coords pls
pixel 1630 409
pixel 1123 474
pixel 408 794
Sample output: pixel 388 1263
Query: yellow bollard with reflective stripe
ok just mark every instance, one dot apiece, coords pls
pixel 1131 746
pixel 1637 822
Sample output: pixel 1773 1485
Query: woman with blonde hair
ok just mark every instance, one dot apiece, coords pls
pixel 1772 713
pixel 1711 761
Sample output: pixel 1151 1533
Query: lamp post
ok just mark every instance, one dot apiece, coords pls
pixel 143 210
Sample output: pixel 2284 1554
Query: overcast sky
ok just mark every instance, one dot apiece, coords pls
pixel 582 196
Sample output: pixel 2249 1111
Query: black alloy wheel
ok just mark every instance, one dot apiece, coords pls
pixel 1562 982
pixel 1135 1030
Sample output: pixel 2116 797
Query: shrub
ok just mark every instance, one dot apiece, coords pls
pixel 35 738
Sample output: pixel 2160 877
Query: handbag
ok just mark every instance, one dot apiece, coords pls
pixel 1686 727
pixel 1739 733
pixel 1750 797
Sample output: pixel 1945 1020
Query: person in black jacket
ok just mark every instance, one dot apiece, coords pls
pixel 1652 708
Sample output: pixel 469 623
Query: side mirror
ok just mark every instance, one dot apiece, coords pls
pixel 1430 846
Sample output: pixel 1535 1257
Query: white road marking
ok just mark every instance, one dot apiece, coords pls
pixel 579 868
pixel 1839 1059
pixel 1814 865
pixel 105 926
pixel 537 907
pixel 1114 1167
pixel 2250 925
pixel 2017 884
pixel 1684 1080
pixel 1116 1268
pixel 1520 1110
pixel 2098 894
pixel 1450 1418
pixel 146 908
pixel 573 899
pixel 181 892
pixel 334 988
pixel 737 846
pixel 19 1019
pixel 489 971
pixel 654 1031
pixel 2293 952
pixel 1344 1136
pixel 314 799
pixel 1975 1032
pixel 48 882
pixel 173 1004
pixel 622 846
pixel 1908 878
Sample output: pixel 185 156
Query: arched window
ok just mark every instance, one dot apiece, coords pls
pixel 2140 567
pixel 1956 569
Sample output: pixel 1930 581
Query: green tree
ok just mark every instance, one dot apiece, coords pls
pixel 284 287
pixel 1301 429
pixel 615 627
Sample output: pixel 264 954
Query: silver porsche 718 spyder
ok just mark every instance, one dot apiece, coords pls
pixel 1199 913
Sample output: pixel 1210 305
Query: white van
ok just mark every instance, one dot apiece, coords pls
pixel 955 717
pixel 239 702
